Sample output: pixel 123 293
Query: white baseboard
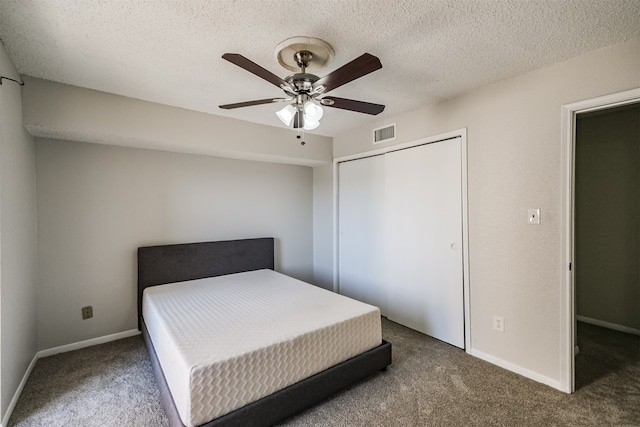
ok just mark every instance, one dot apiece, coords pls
pixel 56 350
pixel 16 396
pixel 87 343
pixel 517 369
pixel 608 325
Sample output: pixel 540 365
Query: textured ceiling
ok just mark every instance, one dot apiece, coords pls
pixel 170 51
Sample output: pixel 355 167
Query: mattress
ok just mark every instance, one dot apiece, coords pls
pixel 226 341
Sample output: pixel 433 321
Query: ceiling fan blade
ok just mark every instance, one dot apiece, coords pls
pixel 254 68
pixel 352 105
pixel 355 69
pixel 250 103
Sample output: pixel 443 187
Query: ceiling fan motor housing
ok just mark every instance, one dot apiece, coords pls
pixel 302 82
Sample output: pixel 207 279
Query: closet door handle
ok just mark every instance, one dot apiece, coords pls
pixel 454 246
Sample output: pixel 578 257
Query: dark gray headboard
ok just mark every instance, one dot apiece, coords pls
pixel 158 265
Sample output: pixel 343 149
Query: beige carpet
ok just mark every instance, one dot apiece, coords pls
pixel 429 384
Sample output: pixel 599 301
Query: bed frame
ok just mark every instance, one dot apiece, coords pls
pixel 159 265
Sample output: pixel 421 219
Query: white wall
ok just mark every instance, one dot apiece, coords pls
pixel 98 203
pixel 17 239
pixel 514 164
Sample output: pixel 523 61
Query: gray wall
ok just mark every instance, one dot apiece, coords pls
pixel 514 163
pixel 607 216
pixel 58 111
pixel 17 239
pixel 323 226
pixel 98 203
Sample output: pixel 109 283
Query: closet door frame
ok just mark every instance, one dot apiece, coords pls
pixel 462 134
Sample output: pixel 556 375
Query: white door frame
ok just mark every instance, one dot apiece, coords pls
pixel 462 133
pixel 567 303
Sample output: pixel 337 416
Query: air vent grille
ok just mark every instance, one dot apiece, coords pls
pixel 384 134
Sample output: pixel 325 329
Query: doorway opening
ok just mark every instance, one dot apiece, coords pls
pixel 607 243
pixel 600 174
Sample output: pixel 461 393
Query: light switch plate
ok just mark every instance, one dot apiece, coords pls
pixel 534 216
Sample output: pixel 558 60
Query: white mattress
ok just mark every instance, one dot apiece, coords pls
pixel 227 341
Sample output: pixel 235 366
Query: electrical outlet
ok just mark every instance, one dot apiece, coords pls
pixel 498 323
pixel 87 312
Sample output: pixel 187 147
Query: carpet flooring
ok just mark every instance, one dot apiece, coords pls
pixel 430 383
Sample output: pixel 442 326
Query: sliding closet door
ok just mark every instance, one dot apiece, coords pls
pixel 424 239
pixel 361 222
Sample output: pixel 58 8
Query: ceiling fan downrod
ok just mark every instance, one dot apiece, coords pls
pixel 303 58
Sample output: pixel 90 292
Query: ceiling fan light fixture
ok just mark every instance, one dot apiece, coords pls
pixel 286 114
pixel 312 111
pixel 312 115
pixel 310 125
pixel 307 117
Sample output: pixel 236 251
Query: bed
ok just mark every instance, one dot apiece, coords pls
pixel 241 273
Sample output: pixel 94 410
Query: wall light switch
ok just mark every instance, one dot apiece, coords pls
pixel 534 216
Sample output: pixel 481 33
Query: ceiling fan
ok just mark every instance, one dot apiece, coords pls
pixel 306 92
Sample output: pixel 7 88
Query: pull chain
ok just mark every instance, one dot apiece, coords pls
pixel 301 136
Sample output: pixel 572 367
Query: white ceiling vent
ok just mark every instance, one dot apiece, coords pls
pixel 384 134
